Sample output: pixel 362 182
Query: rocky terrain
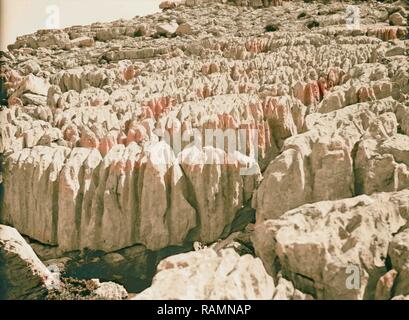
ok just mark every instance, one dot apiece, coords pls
pixel 107 172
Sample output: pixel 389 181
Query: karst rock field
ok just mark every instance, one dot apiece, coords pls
pixel 111 190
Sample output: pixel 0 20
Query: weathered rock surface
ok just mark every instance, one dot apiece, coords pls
pixel 207 275
pixel 22 275
pixel 115 141
pixel 398 253
pixel 109 290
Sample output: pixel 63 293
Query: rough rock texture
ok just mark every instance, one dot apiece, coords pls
pixel 207 275
pixel 109 290
pixel 86 106
pixel 104 134
pixel 316 244
pixel 22 275
pixel 78 289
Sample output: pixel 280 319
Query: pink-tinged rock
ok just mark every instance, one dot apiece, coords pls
pixel 396 19
pixel 12 78
pixel 23 275
pixel 136 133
pixel 312 93
pixel 243 88
pixel 334 77
pixel 226 121
pixel 387 33
pixel 257 45
pixel 147 113
pixel 184 29
pixel 207 91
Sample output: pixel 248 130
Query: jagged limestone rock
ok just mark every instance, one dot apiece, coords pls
pixel 91 118
pixel 22 275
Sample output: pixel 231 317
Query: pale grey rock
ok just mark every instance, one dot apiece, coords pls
pixel 396 19
pixel 109 290
pixel 319 246
pixel 167 28
pixel 22 275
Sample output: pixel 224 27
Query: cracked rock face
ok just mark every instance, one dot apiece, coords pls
pixel 207 275
pixel 314 244
pixel 104 133
pixel 23 276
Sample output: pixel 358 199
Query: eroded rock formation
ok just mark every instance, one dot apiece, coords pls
pixel 205 275
pixel 104 134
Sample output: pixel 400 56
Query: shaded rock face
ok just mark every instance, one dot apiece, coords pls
pixel 104 132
